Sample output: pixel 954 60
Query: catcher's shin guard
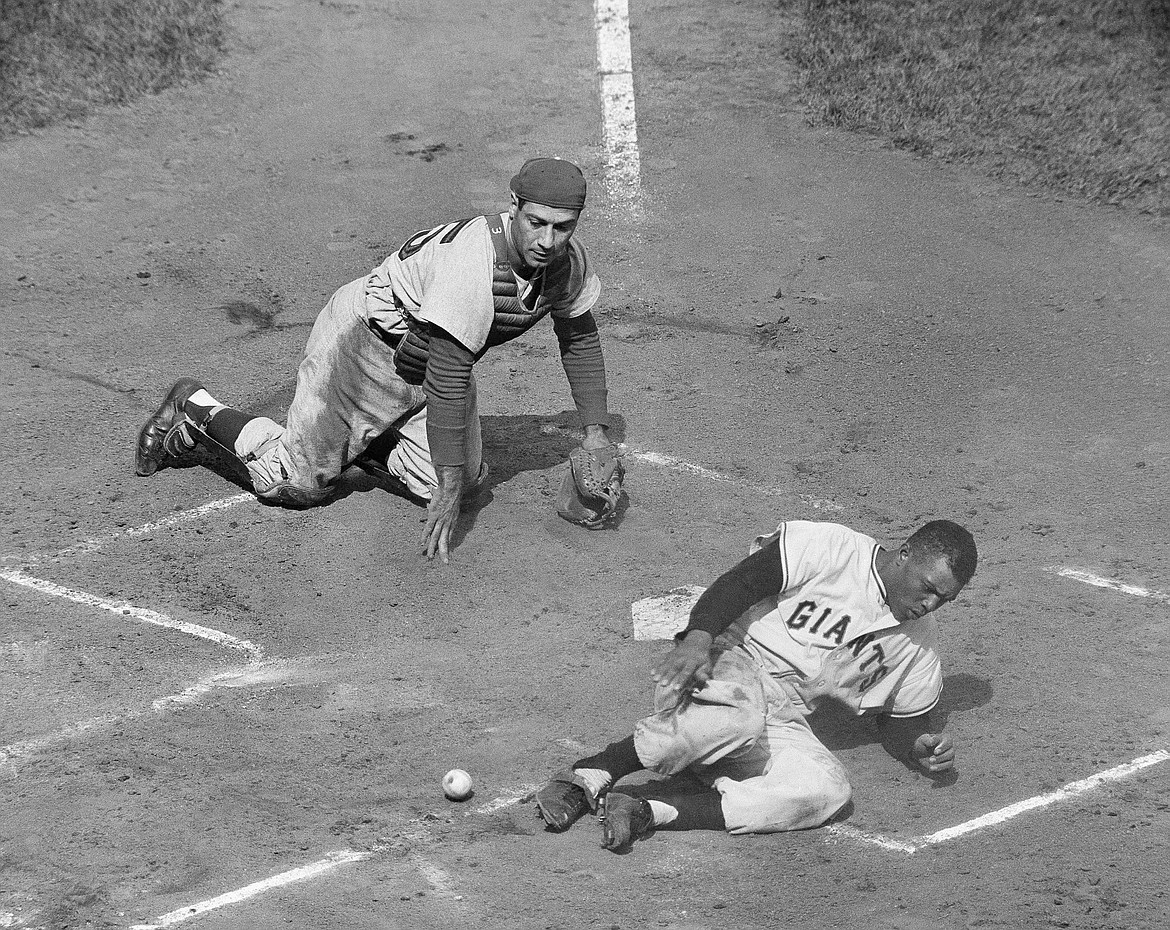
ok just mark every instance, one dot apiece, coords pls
pixel 167 432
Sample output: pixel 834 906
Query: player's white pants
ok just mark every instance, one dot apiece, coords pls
pixel 348 394
pixel 743 736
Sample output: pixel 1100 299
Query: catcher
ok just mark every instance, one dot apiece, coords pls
pixel 390 358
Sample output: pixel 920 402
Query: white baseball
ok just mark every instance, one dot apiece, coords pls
pixel 457 785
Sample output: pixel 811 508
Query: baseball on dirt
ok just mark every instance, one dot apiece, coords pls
pixel 457 785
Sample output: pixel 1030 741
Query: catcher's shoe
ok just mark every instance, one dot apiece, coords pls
pixel 163 434
pixel 624 818
pixel 563 801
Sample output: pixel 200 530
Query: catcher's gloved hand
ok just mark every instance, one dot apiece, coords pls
pixel 592 487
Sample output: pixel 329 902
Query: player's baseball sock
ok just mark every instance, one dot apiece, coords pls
pixel 218 422
pixel 619 759
pixel 624 819
pixel 164 433
pixel 564 801
pixel 683 806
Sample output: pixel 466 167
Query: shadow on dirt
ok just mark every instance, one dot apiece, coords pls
pixel 512 445
pixel 838 728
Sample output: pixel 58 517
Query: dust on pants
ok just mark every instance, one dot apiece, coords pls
pixel 741 734
pixel 347 395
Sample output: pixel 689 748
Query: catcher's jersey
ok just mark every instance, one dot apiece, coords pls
pixel 829 631
pixel 444 276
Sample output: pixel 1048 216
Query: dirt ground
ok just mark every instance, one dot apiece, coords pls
pixel 844 331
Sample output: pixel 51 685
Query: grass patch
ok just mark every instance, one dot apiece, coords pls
pixel 61 58
pixel 1073 94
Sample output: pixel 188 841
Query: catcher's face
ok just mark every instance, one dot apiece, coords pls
pixel 918 584
pixel 539 233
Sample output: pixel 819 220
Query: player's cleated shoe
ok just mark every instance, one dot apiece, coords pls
pixel 624 818
pixel 562 802
pixel 164 434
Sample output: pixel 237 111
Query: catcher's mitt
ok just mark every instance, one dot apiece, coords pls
pixel 592 487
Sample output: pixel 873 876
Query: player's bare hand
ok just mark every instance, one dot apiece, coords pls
pixel 934 753
pixel 687 666
pixel 443 514
pixel 596 437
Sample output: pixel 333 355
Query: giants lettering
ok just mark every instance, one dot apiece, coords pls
pixel 803 612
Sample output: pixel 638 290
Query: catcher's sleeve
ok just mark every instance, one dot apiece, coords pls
pixel 446 384
pixel 584 366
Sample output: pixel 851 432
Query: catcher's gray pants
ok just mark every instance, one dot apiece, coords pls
pixel 347 395
pixel 742 735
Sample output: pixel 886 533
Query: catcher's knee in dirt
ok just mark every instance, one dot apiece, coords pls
pixel 286 494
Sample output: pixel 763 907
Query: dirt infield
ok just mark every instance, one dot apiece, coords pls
pixel 223 714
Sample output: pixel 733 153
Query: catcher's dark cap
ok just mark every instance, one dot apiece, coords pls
pixel 553 182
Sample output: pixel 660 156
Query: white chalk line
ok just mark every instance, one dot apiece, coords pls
pixel 1070 790
pixel 1004 814
pixel 1078 574
pixel 186 516
pixel 615 66
pixel 13 753
pixel 507 800
pixel 698 471
pixel 874 839
pixel 126 609
pixel 328 863
pixel 16 753
pixel 438 878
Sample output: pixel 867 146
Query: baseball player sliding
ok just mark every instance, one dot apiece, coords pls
pixel 391 355
pixel 816 612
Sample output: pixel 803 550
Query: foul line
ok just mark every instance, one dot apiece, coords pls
pixel 1004 814
pixel 620 123
pixel 1078 574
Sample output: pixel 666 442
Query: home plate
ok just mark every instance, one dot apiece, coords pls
pixel 664 615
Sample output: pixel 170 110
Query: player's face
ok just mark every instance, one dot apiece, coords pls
pixel 540 233
pixel 917 585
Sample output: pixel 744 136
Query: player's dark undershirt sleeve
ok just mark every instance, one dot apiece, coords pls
pixel 758 576
pixel 446 384
pixel 584 366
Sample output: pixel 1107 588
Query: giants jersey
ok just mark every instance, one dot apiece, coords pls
pixel 444 276
pixel 829 632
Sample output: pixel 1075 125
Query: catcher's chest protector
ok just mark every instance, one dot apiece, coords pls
pixel 512 317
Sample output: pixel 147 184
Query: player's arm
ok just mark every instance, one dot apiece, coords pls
pixel 584 366
pixel 916 742
pixel 760 575
pixel 446 385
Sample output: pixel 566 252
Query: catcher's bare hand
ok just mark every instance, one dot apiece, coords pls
pixel 934 753
pixel 687 666
pixel 443 513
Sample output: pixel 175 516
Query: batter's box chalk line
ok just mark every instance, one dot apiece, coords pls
pixel 14 753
